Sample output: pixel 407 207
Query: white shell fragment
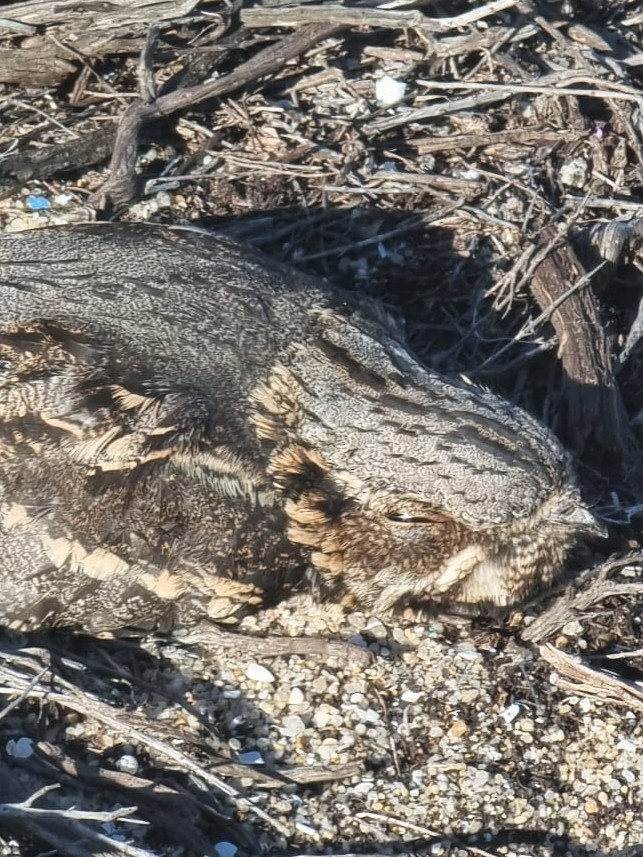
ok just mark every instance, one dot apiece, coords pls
pixel 510 713
pixel 389 91
pixel 256 672
pixel 411 695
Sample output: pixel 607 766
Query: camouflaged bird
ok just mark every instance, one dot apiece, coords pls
pixel 189 431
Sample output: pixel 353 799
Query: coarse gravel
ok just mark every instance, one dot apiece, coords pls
pixel 457 732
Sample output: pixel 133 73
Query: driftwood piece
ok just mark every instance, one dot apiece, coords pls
pixel 335 13
pixel 42 65
pixel 86 151
pixel 59 35
pixel 94 18
pixel 594 413
pixel 64 32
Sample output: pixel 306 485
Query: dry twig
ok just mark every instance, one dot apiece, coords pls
pixel 333 13
pixel 570 605
pixel 578 678
pixel 120 188
pixel 14 680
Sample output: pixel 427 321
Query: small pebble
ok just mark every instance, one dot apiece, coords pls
pixel 401 635
pixel 322 719
pixel 629 571
pixel 376 628
pixel 573 629
pixel 328 749
pixel 320 684
pixel 459 729
pixel 469 696
pixel 127 764
pixel 232 693
pixel 292 725
pixel 296 696
pixel 556 736
pixel 574 173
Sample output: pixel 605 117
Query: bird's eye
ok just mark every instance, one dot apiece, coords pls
pixel 404 518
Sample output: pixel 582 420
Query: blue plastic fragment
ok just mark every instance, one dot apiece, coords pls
pixel 250 757
pixel 225 849
pixel 38 203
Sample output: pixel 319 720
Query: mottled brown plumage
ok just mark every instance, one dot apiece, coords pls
pixel 186 428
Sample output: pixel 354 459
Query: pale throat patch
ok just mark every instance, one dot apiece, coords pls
pixel 487 583
pixel 458 568
pixel 476 576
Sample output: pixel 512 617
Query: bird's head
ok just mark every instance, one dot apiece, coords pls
pixel 406 487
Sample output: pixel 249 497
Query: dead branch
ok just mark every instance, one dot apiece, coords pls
pixel 14 680
pixel 67 830
pixel 272 646
pixel 120 188
pixel 570 605
pixel 526 136
pixel 160 804
pixel 90 149
pixel 596 684
pixel 594 410
pixel 331 13
pixel 41 66
pixel 26 810
pixel 122 143
pixel 60 31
